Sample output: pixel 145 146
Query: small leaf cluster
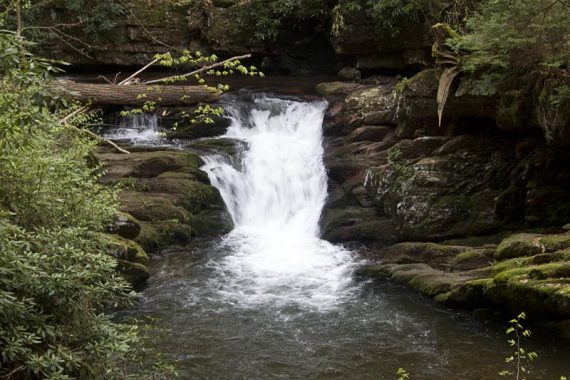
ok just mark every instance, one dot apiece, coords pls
pixel 520 356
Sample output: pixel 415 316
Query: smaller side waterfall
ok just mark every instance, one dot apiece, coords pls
pixel 275 197
pixel 137 129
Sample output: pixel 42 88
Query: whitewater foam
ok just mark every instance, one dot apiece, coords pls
pixel 275 197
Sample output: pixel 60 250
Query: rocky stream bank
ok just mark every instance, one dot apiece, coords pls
pixel 473 214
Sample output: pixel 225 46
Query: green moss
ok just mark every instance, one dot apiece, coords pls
pixel 432 283
pixel 125 249
pixel 135 273
pixel 152 207
pixel 172 232
pixel 556 242
pixel 551 270
pixel 149 236
pixel 519 245
pixel 374 270
pixel 471 259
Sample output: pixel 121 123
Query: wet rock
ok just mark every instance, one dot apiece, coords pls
pixel 125 226
pixel 168 196
pixel 187 130
pixel 470 277
pixel 356 224
pixel 349 73
pixel 131 257
pixel 336 88
pixel 369 133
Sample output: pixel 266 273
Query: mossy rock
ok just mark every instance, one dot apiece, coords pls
pixel 128 250
pixel 336 88
pixel 432 283
pixel 210 223
pixel 135 273
pixel 125 225
pixel 541 299
pixel 231 147
pixel 551 270
pixel 198 175
pixel 472 259
pixel 556 242
pixel 437 255
pixel 152 207
pixel 520 245
pixel 147 164
pixel 160 162
pixel 467 295
pixel 373 271
pixel 149 237
pixel 172 232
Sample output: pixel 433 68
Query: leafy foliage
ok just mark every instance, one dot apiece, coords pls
pixel 95 16
pixel 516 332
pixel 521 50
pixel 391 16
pixel 56 276
pixel 266 17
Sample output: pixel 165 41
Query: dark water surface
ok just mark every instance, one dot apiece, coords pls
pixel 370 335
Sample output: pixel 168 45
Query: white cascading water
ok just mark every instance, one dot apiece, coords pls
pixel 275 198
pixel 137 129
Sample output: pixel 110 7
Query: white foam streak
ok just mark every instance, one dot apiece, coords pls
pixel 275 200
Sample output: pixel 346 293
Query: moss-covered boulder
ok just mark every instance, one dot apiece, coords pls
pixel 526 274
pixel 519 245
pixel 167 196
pixel 125 225
pixel 132 260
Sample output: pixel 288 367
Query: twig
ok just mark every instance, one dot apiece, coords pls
pixel 124 81
pixel 198 71
pixel 71 45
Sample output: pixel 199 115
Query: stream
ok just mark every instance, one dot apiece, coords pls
pixel 273 300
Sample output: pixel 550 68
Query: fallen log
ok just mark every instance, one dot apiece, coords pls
pixel 136 94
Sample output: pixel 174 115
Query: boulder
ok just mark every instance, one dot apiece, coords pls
pixel 132 260
pixel 167 195
pixel 464 111
pixel 125 226
pixel 476 277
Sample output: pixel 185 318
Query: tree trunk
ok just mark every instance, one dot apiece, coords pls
pixel 136 94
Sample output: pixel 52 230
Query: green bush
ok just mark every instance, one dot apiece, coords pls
pixel 521 51
pixel 56 276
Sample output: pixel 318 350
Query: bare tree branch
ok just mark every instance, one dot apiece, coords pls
pixel 198 71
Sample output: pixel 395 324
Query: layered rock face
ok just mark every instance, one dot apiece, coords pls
pixel 147 28
pixel 166 200
pixel 358 35
pixel 391 165
pixel 168 196
pixel 395 177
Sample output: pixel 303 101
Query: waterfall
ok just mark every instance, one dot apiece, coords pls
pixel 275 195
pixel 137 129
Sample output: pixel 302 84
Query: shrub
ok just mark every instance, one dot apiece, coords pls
pixel 56 276
pixel 521 50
